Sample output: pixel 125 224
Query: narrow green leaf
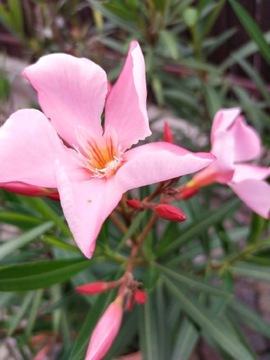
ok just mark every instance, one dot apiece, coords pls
pixel 22 221
pixel 148 331
pixel 35 275
pixel 151 277
pixel 243 52
pixel 186 340
pixel 252 29
pixel 209 324
pixel 11 245
pixel 255 77
pixel 251 270
pixel 46 211
pixel 157 89
pixel 250 318
pixel 118 14
pixel 212 18
pixel 160 5
pixel 192 282
pixel 170 43
pixel 33 312
pixel 17 16
pixel 20 313
pixel 199 65
pixel 6 20
pixel 59 243
pixel 257 226
pixel 212 99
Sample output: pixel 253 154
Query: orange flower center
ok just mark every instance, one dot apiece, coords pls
pixel 103 156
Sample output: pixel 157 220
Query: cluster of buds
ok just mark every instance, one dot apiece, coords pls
pixel 109 324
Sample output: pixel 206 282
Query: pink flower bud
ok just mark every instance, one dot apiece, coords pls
pixel 168 135
pixel 169 212
pixel 140 297
pixel 96 287
pixel 105 331
pixel 134 204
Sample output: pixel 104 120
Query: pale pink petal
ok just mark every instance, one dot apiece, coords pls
pixel 29 146
pixel 155 162
pixel 71 92
pixel 255 194
pixel 247 171
pixel 105 331
pixel 247 143
pixel 223 149
pixel 86 205
pixel 223 119
pixel 125 109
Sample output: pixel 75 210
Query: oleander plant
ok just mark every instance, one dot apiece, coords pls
pixel 134 185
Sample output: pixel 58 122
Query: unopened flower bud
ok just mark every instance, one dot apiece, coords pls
pixel 31 190
pixel 105 330
pixel 140 297
pixel 169 212
pixel 168 135
pixel 134 204
pixel 96 287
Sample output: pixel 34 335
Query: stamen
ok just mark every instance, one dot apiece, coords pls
pixel 103 156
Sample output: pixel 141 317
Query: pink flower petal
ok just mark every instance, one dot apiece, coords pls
pixel 125 109
pixel 247 171
pixel 223 119
pixel 255 194
pixel 247 143
pixel 86 205
pixel 71 92
pixel 29 146
pixel 223 149
pixel 155 162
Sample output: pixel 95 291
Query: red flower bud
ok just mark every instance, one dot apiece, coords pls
pixel 31 190
pixel 96 287
pixel 168 135
pixel 169 212
pixel 140 297
pixel 134 204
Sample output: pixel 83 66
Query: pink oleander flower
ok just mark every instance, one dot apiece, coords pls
pixel 105 331
pixel 90 162
pixel 234 143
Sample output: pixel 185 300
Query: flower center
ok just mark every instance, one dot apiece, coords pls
pixel 102 156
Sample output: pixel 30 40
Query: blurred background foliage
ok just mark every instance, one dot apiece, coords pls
pixel 200 56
